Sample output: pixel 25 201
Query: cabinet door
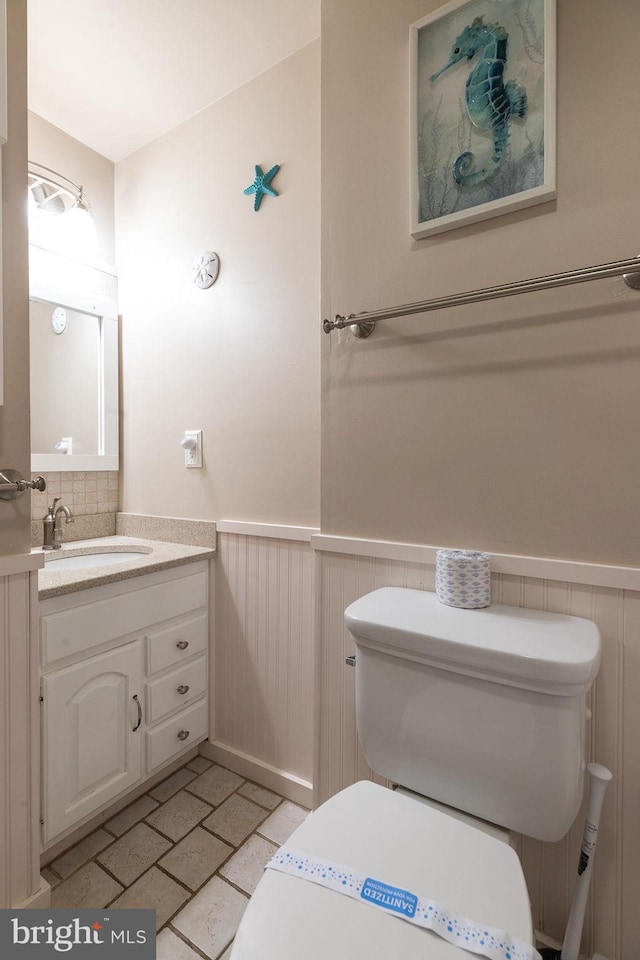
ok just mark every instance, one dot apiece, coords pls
pixel 91 735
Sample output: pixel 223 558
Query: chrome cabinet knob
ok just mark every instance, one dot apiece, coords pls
pixel 183 688
pixel 182 644
pixel 183 735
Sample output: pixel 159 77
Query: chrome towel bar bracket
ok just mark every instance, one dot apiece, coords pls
pixel 363 324
pixel 13 485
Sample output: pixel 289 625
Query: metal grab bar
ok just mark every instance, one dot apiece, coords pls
pixel 364 323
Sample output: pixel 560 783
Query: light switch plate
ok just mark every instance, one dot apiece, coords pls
pixel 193 457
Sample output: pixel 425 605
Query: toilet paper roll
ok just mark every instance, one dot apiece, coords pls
pixel 463 578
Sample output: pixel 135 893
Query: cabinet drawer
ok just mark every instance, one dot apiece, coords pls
pixel 174 644
pixel 168 738
pixel 176 690
pixel 96 622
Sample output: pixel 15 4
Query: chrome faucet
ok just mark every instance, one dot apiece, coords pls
pixel 52 523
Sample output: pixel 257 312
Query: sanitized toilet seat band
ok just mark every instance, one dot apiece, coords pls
pixel 462 932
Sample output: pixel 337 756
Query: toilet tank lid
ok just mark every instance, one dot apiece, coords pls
pixel 551 652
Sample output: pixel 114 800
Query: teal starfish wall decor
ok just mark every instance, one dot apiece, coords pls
pixel 261 186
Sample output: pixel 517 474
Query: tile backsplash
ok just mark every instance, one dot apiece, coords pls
pixel 92 497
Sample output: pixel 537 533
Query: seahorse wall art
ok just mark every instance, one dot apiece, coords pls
pixel 491 103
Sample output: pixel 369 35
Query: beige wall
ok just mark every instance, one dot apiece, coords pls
pixel 55 149
pixel 14 415
pixel 241 360
pixel 506 426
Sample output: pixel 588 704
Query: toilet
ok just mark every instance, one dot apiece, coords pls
pixel 479 717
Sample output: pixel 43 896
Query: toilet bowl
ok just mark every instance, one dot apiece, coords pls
pixel 396 838
pixel 481 715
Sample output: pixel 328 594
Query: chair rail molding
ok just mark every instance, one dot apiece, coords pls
pixel 545 568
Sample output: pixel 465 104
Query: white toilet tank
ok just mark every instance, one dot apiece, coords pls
pixel 483 710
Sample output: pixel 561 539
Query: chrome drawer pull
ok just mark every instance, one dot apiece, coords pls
pixel 182 644
pixel 183 688
pixel 183 735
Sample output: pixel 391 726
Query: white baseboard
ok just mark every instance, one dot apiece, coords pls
pixel 286 784
pixel 41 900
pixel 542 940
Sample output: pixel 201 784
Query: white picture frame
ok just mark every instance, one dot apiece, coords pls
pixel 474 160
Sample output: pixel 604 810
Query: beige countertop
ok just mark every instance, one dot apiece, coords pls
pixel 157 555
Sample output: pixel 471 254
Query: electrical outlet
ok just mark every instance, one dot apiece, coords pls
pixel 193 455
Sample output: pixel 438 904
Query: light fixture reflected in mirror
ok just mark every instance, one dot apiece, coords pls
pixel 60 216
pixel 65 445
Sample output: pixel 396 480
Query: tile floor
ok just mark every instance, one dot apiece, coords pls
pixel 193 848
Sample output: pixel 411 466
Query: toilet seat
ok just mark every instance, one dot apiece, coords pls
pixel 404 842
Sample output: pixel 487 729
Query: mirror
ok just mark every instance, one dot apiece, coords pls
pixel 74 380
pixel 64 352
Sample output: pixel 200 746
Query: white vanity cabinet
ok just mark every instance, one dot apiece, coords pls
pixel 123 688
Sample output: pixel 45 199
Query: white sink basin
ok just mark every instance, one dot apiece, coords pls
pixel 85 560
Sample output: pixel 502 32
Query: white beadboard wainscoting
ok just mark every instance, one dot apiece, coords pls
pixel 263 657
pixel 20 881
pixel 348 568
pixel 284 711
